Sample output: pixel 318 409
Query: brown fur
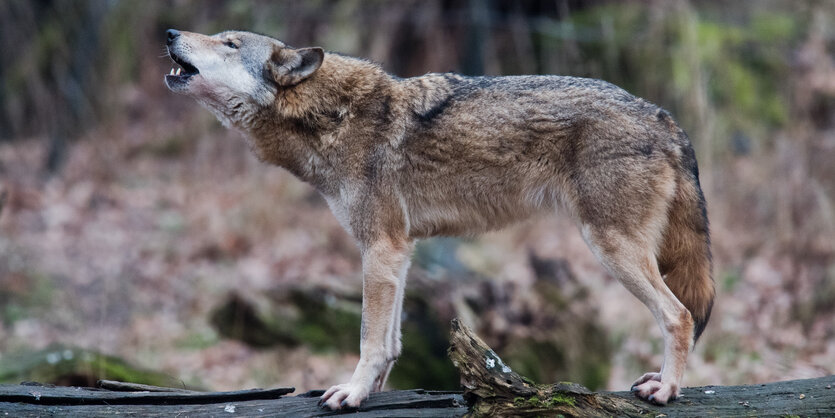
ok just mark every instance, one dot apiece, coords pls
pixel 404 159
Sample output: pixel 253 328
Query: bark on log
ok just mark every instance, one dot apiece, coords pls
pixel 34 400
pixel 490 389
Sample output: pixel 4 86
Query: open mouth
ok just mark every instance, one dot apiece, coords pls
pixel 183 73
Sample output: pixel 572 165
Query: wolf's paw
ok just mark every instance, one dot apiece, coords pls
pixel 646 378
pixel 655 391
pixel 344 396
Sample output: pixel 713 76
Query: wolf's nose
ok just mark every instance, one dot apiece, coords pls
pixel 172 35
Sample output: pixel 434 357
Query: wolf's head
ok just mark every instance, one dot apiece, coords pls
pixel 235 74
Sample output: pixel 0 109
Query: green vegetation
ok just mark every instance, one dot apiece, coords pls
pixel 559 399
pixel 62 365
pixel 425 342
pixel 315 318
pixel 739 61
pixel 198 340
pixel 545 361
pixel 26 293
pixel 535 402
pixel 730 281
pixel 326 322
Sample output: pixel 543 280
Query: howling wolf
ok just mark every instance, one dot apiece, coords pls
pixel 442 154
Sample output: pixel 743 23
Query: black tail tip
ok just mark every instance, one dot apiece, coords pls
pixel 700 323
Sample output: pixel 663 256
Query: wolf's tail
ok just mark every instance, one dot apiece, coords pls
pixel 685 256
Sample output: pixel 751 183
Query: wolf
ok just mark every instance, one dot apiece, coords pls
pixel 402 159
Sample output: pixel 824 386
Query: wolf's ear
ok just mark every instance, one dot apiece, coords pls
pixel 289 66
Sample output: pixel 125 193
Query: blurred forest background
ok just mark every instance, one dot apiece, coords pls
pixel 140 240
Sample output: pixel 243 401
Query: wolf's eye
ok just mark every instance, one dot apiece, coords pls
pixel 231 44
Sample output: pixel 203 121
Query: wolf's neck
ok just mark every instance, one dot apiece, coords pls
pixel 290 144
pixel 316 127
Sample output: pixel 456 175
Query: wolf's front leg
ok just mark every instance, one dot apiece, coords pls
pixel 395 346
pixel 381 263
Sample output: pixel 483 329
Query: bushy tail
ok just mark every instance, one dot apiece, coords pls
pixel 685 256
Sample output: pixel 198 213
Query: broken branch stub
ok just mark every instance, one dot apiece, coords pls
pixel 496 390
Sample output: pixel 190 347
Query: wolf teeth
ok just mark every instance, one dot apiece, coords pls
pixel 178 71
pixel 172 72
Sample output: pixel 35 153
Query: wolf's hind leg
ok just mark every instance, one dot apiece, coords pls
pixel 633 263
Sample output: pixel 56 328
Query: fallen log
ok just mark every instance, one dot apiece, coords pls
pixel 32 400
pixel 491 388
